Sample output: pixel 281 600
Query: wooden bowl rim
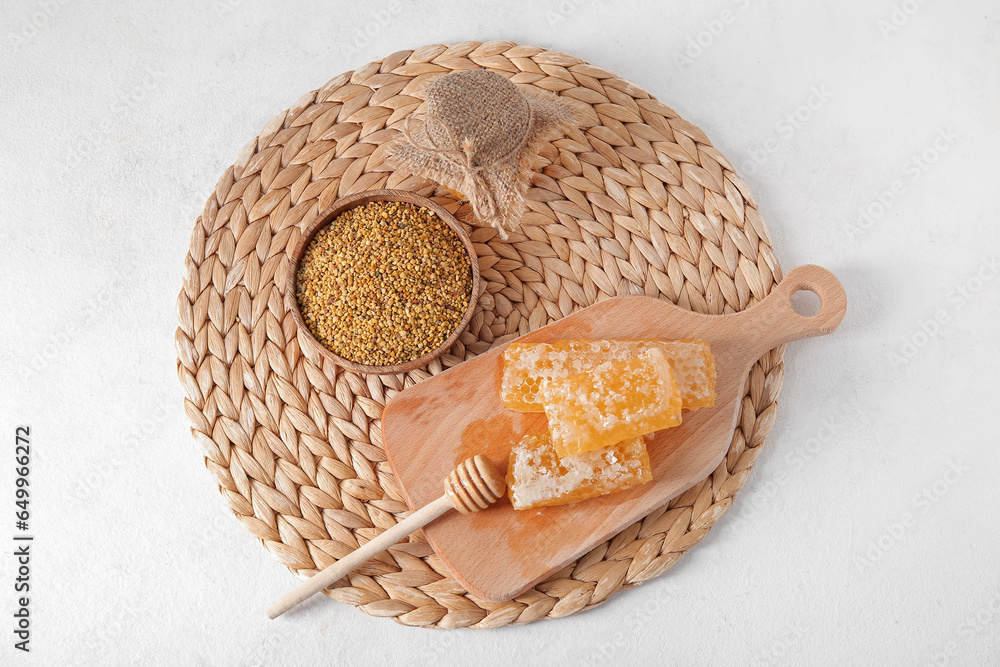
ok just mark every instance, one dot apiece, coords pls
pixel 326 217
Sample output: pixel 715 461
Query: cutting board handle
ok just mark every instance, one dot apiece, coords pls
pixel 773 321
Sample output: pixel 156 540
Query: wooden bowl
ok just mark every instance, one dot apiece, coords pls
pixel 351 201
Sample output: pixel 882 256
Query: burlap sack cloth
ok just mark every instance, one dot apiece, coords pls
pixel 477 137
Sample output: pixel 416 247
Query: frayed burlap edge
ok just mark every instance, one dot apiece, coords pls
pixel 405 154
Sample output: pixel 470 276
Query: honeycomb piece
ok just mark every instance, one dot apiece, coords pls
pixel 612 402
pixel 526 364
pixel 536 477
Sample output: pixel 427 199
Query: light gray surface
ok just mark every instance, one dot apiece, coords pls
pixel 116 123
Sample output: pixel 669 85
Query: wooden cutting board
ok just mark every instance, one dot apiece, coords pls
pixel 499 552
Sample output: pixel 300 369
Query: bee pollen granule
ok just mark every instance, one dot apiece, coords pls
pixel 384 283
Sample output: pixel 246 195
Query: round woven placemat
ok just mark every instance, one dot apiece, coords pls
pixel 639 203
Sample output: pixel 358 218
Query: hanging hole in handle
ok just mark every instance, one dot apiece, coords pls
pixel 806 302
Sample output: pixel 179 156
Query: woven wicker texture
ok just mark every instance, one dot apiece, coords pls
pixel 640 203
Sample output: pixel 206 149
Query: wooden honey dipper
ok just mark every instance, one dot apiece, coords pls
pixel 474 485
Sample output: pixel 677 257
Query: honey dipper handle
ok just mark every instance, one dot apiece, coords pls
pixel 773 321
pixel 472 486
pixel 345 565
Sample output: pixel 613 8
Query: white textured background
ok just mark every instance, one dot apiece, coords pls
pixel 868 532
